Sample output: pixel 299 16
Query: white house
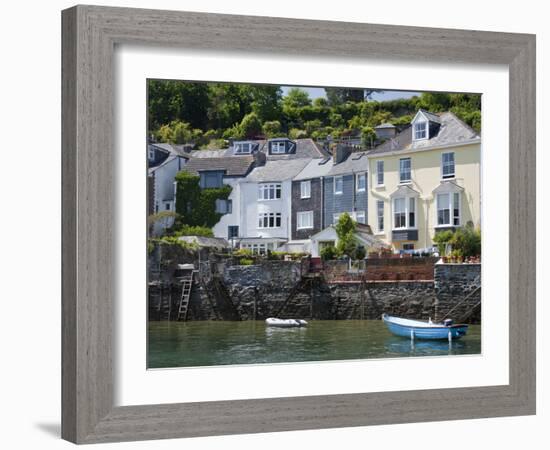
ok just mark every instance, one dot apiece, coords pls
pixel 328 237
pixel 164 162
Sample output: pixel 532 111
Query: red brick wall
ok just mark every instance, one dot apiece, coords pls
pixel 407 268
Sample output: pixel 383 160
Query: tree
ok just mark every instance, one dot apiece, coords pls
pixel 272 129
pixel 250 126
pixel 266 102
pixel 337 96
pixel 368 136
pixel 345 230
pixel 176 132
pixel 296 98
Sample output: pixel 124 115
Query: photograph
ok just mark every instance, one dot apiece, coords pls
pixel 291 224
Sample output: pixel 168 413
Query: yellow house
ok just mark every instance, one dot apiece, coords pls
pixel 425 179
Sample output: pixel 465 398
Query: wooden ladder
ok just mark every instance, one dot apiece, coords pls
pixel 187 284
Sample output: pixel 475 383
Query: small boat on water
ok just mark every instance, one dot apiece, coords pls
pixel 417 329
pixel 285 323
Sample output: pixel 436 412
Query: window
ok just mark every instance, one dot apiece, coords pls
pixel 404 170
pixel 380 215
pixel 359 216
pixel 305 189
pixel 211 180
pixel 404 212
pixel 338 185
pixel 269 220
pixel 448 165
pixel 304 220
pixel 412 207
pixel 379 173
pixel 232 231
pixel 361 182
pixel 408 246
pixel 167 206
pixel 278 147
pixel 420 130
pixel 224 206
pixel 269 191
pixel 399 215
pixel 151 154
pixel 335 218
pixel 448 209
pixel 242 148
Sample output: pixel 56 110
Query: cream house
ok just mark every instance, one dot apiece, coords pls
pixel 425 179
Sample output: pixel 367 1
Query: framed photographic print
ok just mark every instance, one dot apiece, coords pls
pixel 266 230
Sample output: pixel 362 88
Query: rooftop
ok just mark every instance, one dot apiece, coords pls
pixel 233 166
pixel 451 131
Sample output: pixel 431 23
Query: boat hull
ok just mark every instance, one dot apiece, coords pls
pixel 285 323
pixel 424 331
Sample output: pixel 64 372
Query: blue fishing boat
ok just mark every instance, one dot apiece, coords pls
pixel 417 329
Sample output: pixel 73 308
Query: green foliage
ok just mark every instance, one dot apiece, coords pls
pixel 272 129
pixel 442 238
pixel 360 252
pixel 198 206
pixel 164 219
pixel 204 113
pixel 246 262
pixel 172 240
pixel 215 144
pixel 368 135
pixel 465 241
pixel 188 230
pixel 296 133
pixel 345 230
pixel 328 252
pixel 244 252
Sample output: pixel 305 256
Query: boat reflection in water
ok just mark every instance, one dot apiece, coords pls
pixel 400 347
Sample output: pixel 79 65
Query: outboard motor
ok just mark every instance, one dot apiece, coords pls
pixel 448 322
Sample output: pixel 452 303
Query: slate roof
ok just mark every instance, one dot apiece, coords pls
pixel 355 163
pixel 314 169
pixel 405 191
pixel 172 149
pixel 208 153
pixel 385 125
pixel 305 148
pixel 451 131
pixel 234 166
pixel 430 116
pixel 278 170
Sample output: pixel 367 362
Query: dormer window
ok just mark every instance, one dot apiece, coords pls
pixel 243 148
pixel 420 131
pixel 278 148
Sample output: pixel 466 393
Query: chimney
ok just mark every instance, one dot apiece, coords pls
pixel 385 131
pixel 341 152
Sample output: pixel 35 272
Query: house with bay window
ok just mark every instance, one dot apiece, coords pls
pixel 424 180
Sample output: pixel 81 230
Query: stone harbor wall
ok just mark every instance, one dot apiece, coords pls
pixel 457 292
pixel 279 289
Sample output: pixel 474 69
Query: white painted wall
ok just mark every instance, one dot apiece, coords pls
pixel 164 183
pixel 220 229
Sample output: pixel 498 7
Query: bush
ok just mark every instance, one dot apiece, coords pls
pixel 188 230
pixel 246 262
pixel 360 252
pixel 441 239
pixel 246 252
pixel 467 241
pixel 328 252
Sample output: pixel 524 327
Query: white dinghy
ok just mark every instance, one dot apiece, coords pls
pixel 285 323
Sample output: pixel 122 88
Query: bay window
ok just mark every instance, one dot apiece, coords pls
pixel 404 212
pixel 448 209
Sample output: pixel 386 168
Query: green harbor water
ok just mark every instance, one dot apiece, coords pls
pixel 186 344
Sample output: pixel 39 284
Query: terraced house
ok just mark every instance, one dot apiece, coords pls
pixel 424 180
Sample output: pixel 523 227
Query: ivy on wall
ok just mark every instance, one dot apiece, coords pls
pixel 198 206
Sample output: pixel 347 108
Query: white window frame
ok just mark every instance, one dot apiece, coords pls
pixel 277 146
pixel 362 175
pixel 450 206
pixel 407 210
pixel 443 165
pixel 357 214
pixel 401 172
pixel 306 216
pixel 264 218
pixel 379 173
pixel 264 191
pixel 305 189
pixel 240 148
pixel 334 185
pixel 380 215
pixel 424 131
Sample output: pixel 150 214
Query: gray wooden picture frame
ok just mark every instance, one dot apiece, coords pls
pixel 90 34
